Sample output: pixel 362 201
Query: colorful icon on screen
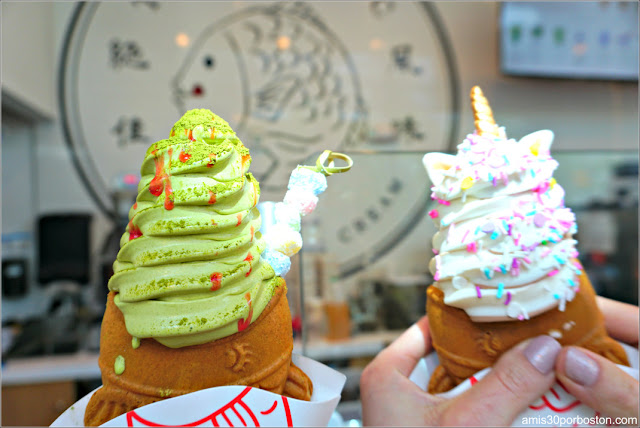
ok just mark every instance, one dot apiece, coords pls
pixel 558 35
pixel 516 33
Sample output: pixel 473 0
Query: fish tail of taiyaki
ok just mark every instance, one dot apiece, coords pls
pixel 483 115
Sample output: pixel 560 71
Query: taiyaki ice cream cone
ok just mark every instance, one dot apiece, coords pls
pixel 505 264
pixel 192 303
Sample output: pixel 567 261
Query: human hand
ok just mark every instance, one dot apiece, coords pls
pixel 519 377
pixel 593 379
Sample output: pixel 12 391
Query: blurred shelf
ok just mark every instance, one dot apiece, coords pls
pixel 360 345
pixel 50 368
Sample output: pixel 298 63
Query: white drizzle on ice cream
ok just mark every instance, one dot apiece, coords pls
pixel 504 249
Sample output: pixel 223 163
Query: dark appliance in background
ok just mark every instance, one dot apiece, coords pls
pixel 63 252
pixel 63 248
pixel 14 277
pixel 615 275
pixel 626 215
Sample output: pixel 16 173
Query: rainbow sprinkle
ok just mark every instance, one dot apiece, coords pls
pixel 553 272
pixel 472 247
pixel 433 213
pixel 559 259
pixel 506 302
pixel 467 182
pixel 500 290
pixel 478 291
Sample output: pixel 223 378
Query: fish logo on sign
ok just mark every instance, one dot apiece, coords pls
pixel 235 413
pixel 295 91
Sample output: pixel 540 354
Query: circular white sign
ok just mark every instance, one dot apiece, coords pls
pixel 292 79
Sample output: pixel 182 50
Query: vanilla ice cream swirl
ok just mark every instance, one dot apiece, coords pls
pixel 504 249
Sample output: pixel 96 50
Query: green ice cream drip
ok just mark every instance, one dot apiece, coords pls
pixel 189 269
pixel 118 366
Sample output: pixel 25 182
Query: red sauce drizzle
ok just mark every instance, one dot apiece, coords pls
pixel 212 197
pixel 156 185
pixel 135 206
pixel 244 323
pixel 184 156
pixel 253 230
pixel 249 259
pixel 212 156
pixel 216 280
pixel 255 196
pixel 168 196
pixel 189 134
pixel 213 133
pixel 173 132
pixel 245 158
pixel 239 220
pixel 134 231
pixel 168 191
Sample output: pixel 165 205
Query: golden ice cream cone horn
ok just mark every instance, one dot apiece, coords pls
pixel 482 114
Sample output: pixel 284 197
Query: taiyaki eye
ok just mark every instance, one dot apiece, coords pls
pixel 209 61
pixel 538 142
pixel 435 164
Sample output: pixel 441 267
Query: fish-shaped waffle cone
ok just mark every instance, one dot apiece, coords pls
pixel 259 356
pixel 465 347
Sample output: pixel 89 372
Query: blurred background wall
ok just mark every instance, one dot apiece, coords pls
pixel 584 114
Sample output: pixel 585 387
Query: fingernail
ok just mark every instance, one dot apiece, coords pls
pixel 580 368
pixel 542 352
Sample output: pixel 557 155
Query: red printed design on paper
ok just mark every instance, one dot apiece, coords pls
pixel 235 410
pixel 553 400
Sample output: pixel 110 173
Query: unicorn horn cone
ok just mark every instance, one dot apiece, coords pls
pixel 482 114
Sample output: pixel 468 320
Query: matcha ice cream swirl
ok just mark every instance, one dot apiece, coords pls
pixel 189 269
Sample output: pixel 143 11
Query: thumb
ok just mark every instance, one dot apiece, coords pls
pixel 518 378
pixel 598 382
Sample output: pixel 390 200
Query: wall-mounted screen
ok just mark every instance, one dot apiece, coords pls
pixel 584 40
